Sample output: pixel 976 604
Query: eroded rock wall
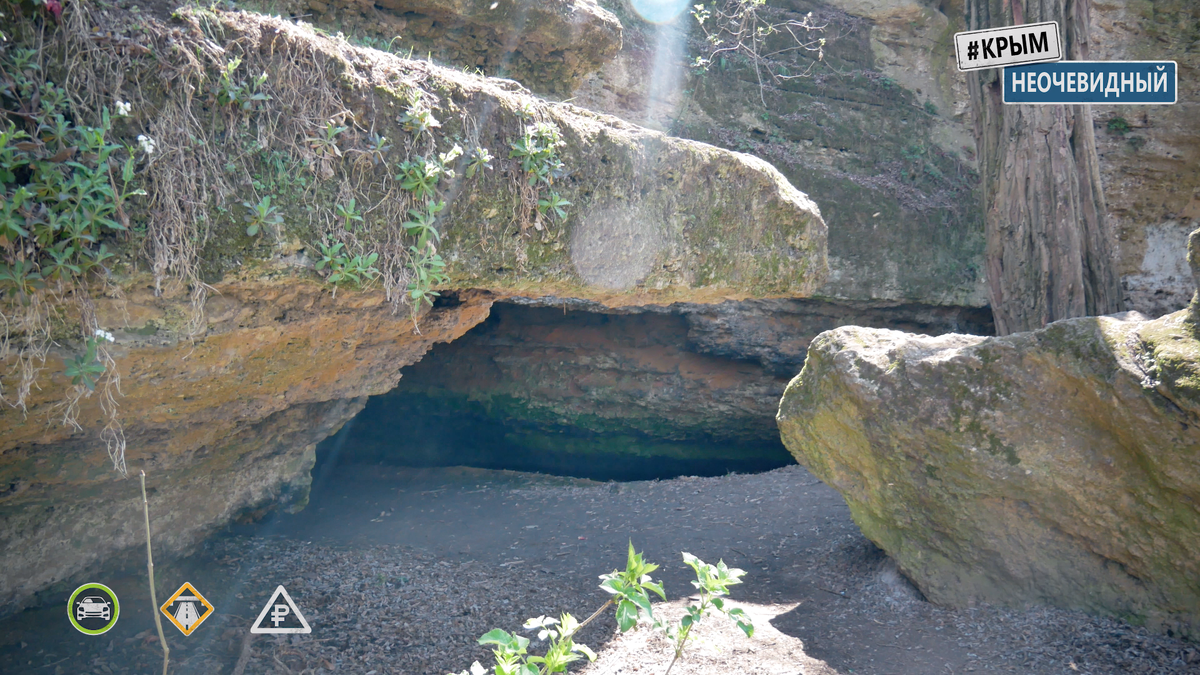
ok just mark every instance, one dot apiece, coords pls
pixel 1150 155
pixel 546 44
pixel 641 392
pixel 878 128
pixel 221 424
pixel 883 127
pixel 222 408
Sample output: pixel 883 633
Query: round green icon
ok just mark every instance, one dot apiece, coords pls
pixel 93 609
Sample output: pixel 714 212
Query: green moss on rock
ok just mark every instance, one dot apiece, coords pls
pixel 1060 466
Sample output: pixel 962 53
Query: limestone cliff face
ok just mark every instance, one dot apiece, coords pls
pixel 546 44
pixel 879 129
pixel 229 384
pixel 889 134
pixel 222 424
pixel 1150 155
pixel 1059 466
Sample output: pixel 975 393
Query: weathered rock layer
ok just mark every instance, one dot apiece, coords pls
pixel 639 392
pixel 226 418
pixel 1060 466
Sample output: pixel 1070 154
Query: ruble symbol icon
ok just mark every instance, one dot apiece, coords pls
pixel 279 610
pixel 278 614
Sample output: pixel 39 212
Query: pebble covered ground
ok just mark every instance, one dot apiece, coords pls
pixel 399 571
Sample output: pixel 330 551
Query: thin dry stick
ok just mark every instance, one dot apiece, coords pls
pixel 150 569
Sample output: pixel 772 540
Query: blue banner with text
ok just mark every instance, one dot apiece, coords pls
pixel 1077 82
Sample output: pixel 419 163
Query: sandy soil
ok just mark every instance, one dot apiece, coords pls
pixel 399 570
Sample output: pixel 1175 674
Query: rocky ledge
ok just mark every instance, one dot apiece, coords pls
pixel 223 399
pixel 1060 466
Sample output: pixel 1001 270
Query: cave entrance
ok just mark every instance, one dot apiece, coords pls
pixel 604 396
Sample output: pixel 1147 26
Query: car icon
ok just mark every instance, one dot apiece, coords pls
pixel 92 607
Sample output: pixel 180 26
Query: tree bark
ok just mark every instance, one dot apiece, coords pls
pixel 1050 249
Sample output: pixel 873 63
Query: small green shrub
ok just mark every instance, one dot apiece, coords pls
pixel 349 214
pixel 553 204
pixel 85 369
pixel 630 591
pixel 239 93
pixel 418 118
pixel 420 177
pixel 260 215
pixel 344 268
pixel 1118 125
pixel 537 150
pixel 325 144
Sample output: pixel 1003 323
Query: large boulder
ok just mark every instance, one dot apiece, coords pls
pixel 1060 466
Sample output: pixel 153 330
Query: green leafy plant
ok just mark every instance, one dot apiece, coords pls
pixel 553 204
pixel 325 144
pixel 418 118
pixel 344 268
pixel 426 264
pixel 420 177
pixel 713 582
pixel 629 591
pixel 349 214
pixel 377 149
pixel 1118 125
pixel 239 93
pixel 260 215
pixel 480 159
pixel 85 369
pixel 537 150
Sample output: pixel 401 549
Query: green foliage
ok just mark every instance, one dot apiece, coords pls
pixel 420 177
pixel 349 214
pixel 713 582
pixel 930 108
pixel 553 204
pixel 344 268
pixel 480 159
pixel 260 215
pixel 418 118
pixel 537 150
pixel 238 92
pixel 280 173
pixel 325 144
pixel 630 591
pixel 85 369
pixel 59 182
pixel 1118 125
pixel 377 149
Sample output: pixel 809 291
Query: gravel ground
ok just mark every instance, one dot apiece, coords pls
pixel 399 571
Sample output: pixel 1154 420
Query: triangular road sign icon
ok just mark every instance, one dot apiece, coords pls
pixel 279 612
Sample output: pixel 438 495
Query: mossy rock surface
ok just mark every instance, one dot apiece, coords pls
pixel 1060 466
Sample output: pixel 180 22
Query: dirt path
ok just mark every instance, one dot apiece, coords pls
pixel 399 570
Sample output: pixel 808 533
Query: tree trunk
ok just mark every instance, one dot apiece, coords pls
pixel 1049 245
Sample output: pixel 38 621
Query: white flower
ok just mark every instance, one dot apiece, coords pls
pixel 148 145
pixel 477 669
pixel 124 108
pixel 105 335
